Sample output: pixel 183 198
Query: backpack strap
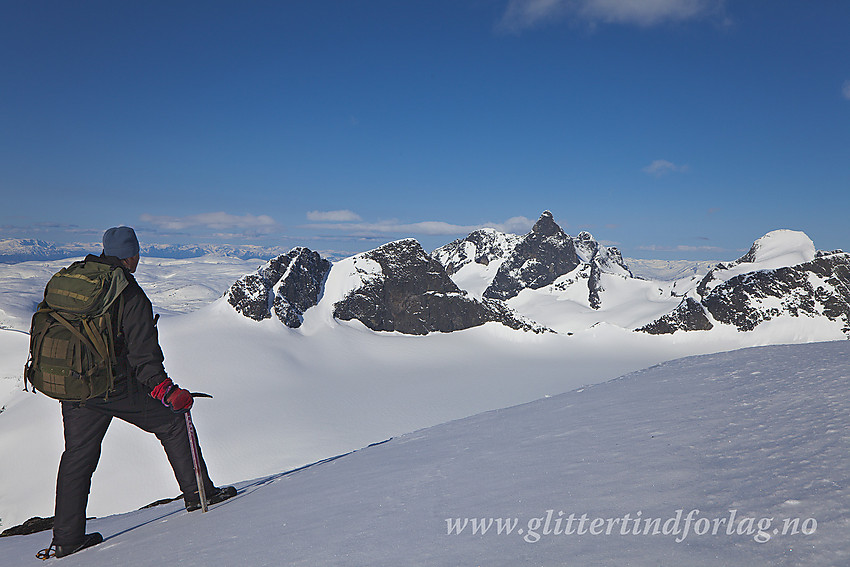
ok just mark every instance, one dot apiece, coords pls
pixel 95 345
pixel 75 332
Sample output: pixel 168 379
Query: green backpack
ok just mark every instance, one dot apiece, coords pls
pixel 72 350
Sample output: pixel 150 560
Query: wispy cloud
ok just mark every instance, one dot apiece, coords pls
pixel 428 228
pixel 683 248
pixel 660 167
pixel 523 14
pixel 343 215
pixel 220 223
pixel 845 89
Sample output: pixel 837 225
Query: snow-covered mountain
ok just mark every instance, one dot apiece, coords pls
pixel 537 260
pixel 549 280
pixel 395 287
pixel 399 287
pixel 287 286
pixel 781 276
pixel 16 250
pixel 485 247
pixel 737 458
pixel 25 249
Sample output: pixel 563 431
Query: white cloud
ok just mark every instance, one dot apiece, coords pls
pixel 660 167
pixel 393 227
pixel 845 90
pixel 515 225
pixel 681 248
pixel 519 225
pixel 343 215
pixel 213 221
pixel 523 14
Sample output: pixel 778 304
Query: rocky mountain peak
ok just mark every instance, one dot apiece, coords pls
pixel 781 275
pixel 413 294
pixel 287 286
pixel 546 225
pixel 537 260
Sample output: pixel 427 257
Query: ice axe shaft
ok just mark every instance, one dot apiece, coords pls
pixel 196 461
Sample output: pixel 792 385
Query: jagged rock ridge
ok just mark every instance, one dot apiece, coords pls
pixel 399 287
pixel 537 260
pixel 287 286
pixel 755 288
pixel 817 288
pixel 406 290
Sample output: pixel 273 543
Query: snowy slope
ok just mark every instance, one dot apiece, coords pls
pixel 751 445
pixel 665 270
pixel 628 302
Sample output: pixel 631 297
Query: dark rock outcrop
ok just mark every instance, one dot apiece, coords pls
pixel 688 316
pixel 817 288
pixel 538 259
pixel 412 293
pixel 601 260
pixel 287 286
pixel 31 526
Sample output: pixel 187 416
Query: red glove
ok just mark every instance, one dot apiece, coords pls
pixel 173 396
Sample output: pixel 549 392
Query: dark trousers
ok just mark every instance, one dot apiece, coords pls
pixel 85 426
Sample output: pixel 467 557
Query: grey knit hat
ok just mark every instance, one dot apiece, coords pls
pixel 121 242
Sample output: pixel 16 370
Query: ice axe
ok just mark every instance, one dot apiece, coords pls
pixel 193 444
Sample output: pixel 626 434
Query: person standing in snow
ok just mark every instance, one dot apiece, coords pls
pixel 143 395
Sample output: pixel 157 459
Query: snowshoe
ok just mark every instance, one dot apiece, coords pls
pixel 65 550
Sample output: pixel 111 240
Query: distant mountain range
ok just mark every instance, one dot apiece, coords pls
pixel 549 281
pixel 23 250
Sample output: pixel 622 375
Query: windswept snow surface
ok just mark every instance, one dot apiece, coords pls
pixel 730 459
pixel 783 247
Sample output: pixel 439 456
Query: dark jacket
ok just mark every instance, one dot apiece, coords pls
pixel 137 341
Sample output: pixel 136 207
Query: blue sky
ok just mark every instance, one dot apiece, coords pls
pixel 670 128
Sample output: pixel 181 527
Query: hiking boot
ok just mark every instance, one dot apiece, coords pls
pixel 65 550
pixel 217 495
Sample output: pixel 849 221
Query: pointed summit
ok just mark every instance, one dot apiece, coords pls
pixel 546 225
pixel 538 259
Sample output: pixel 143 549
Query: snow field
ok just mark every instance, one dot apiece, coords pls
pixel 739 456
